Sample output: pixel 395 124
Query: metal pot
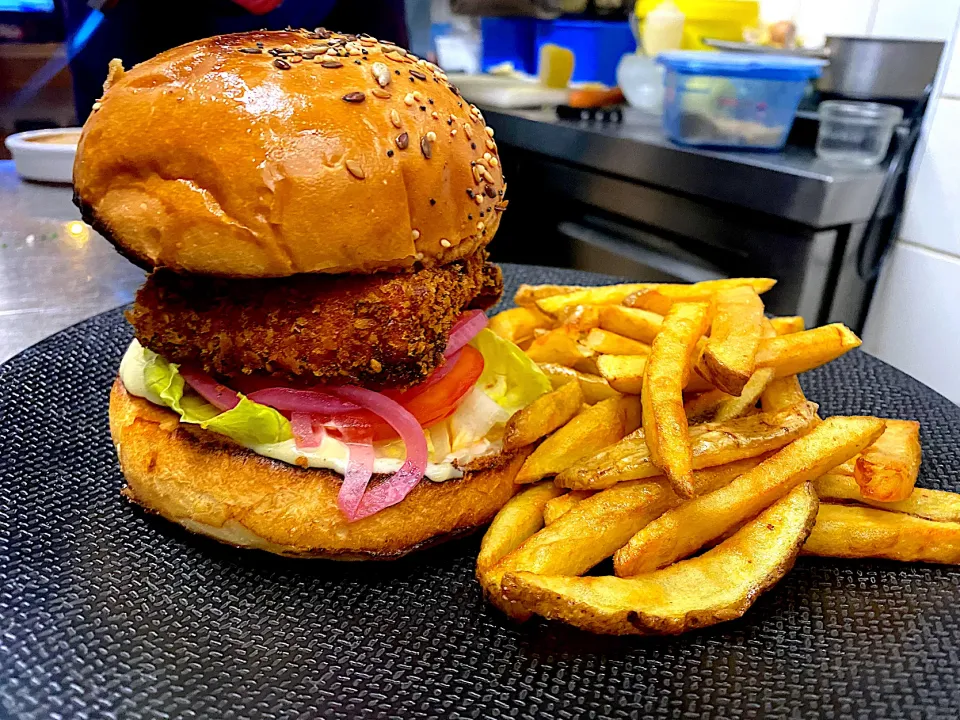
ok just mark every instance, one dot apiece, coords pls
pixel 877 69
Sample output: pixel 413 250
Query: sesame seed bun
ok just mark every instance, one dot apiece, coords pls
pixel 213 487
pixel 267 154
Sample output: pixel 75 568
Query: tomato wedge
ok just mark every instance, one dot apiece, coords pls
pixel 438 401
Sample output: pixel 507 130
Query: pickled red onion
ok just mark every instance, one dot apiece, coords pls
pixel 469 324
pixel 220 396
pixel 287 399
pixel 306 434
pixel 356 478
pixel 398 486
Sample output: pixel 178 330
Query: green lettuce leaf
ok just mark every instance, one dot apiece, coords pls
pixel 509 377
pixel 249 423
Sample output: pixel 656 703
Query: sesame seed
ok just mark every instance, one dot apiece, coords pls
pixel 453 133
pixel 354 97
pixel 478 199
pixel 489 130
pixel 487 156
pixel 468 131
pixel 354 169
pixel 97 105
pixel 408 99
pixel 491 145
pixel 445 242
pixel 480 226
pixel 451 119
pixel 416 96
pixel 435 115
pixel 395 118
pixel 432 136
pixel 403 141
pixel 281 64
pixel 416 236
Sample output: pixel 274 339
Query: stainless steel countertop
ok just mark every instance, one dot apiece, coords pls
pixel 793 184
pixel 54 270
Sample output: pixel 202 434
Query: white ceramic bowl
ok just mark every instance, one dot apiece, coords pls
pixel 45 155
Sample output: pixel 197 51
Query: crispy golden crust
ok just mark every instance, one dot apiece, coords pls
pixel 215 488
pixel 382 330
pixel 356 161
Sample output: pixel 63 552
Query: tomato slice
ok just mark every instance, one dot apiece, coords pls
pixel 431 405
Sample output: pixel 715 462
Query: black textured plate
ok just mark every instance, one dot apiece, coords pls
pixel 106 612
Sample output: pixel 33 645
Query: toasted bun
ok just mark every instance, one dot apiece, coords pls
pixel 212 160
pixel 215 488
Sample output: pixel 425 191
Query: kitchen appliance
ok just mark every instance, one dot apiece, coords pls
pixel 878 69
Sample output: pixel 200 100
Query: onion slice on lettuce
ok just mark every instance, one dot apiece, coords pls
pixel 218 395
pixel 397 486
pixel 464 330
pixel 292 400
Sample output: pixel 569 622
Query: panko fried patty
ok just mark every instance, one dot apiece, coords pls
pixel 384 330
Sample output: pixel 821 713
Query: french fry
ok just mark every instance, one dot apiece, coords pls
pixel 888 469
pixel 639 325
pixel 798 352
pixel 596 427
pixel 520 518
pixel 561 346
pixel 592 530
pixel 527 295
pixel 712 444
pixel 604 295
pixel 659 298
pixel 518 324
pixel 718 406
pixel 557 507
pixel 594 387
pixel 667 372
pixel 624 373
pixel 541 417
pixel 680 532
pixel 719 585
pixel 788 324
pixel 848 531
pixel 930 504
pixel 604 341
pixel 728 359
pixel 580 317
pixel 781 393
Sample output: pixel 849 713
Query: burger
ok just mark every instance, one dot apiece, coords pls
pixel 310 373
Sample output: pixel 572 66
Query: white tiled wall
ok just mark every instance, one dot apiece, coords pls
pixel 914 323
pixel 905 19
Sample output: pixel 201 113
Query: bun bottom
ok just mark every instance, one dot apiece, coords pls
pixel 214 487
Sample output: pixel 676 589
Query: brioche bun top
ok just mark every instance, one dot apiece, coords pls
pixel 267 154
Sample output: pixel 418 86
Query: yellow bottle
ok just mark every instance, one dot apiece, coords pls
pixel 662 29
pixel 555 66
pixel 717 19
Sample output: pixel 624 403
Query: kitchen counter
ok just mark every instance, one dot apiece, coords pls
pixel 793 184
pixel 54 270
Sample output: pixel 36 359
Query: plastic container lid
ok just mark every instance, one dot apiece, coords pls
pixel 742 65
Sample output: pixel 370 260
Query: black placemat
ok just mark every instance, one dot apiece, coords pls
pixel 106 612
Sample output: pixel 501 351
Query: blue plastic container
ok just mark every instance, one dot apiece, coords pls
pixel 509 39
pixel 598 46
pixel 738 100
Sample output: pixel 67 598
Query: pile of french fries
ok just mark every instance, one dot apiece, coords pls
pixel 677 440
